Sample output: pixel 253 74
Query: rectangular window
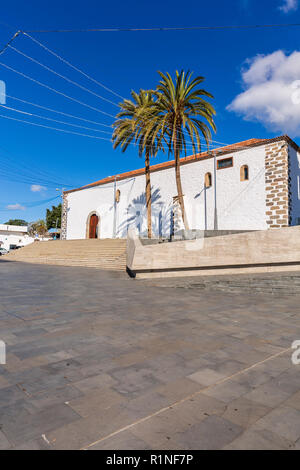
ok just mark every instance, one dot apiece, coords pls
pixel 225 163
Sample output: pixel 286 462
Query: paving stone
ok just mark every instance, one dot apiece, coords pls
pixel 122 441
pixel 227 391
pixel 293 401
pixel 284 421
pixel 160 431
pixel 37 444
pixel 27 333
pixel 207 377
pixel 4 442
pixel 92 383
pixel 10 395
pixel 259 439
pixel 95 400
pixel 198 408
pixel 4 383
pixel 47 398
pixel 27 426
pixel 132 381
pixel 118 350
pixel 78 435
pixel 211 434
pixel 267 395
pixel 178 389
pixel 245 412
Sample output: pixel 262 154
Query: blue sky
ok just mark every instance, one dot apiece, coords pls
pixel 240 67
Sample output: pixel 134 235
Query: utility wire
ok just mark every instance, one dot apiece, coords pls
pixel 32 204
pixel 54 90
pixel 73 66
pixel 70 65
pixel 60 130
pixel 71 81
pixel 54 120
pixel 83 119
pixel 35 175
pixel 61 76
pixel 58 112
pixel 188 144
pixel 53 128
pixel 176 28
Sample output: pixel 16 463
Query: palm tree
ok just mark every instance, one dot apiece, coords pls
pixel 131 127
pixel 180 107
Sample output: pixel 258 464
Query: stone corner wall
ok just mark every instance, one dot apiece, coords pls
pixel 277 181
pixel 64 216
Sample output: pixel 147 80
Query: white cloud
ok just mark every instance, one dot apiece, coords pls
pixel 35 188
pixel 272 91
pixel 15 207
pixel 289 5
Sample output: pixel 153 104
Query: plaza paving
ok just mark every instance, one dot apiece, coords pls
pixel 96 360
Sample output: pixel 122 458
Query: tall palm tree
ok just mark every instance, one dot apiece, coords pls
pixel 181 112
pixel 131 127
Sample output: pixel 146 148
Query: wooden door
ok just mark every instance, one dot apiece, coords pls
pixel 93 232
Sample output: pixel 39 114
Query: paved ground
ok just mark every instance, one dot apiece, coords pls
pixel 100 361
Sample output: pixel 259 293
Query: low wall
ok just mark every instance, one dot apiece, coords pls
pixel 261 251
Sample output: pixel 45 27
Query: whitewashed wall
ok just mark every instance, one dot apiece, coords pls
pixel 241 205
pixel 14 235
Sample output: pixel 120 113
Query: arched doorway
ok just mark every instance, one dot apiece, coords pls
pixel 93 231
pixel 93 226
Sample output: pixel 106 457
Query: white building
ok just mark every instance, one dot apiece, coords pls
pixel 14 235
pixel 251 185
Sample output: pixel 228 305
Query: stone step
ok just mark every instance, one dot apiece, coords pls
pixel 102 254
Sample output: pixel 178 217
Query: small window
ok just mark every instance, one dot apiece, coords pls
pixel 225 163
pixel 118 195
pixel 208 180
pixel 244 173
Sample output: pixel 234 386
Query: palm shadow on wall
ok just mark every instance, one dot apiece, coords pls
pixel 137 215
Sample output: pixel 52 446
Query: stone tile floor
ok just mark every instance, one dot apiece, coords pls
pixel 96 360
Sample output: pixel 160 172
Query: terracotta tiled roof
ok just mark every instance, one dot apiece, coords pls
pixel 199 156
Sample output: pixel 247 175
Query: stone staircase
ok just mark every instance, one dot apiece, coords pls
pixel 103 254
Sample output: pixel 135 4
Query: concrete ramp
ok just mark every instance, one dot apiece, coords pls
pixel 261 251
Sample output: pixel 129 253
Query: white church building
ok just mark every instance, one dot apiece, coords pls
pixel 250 185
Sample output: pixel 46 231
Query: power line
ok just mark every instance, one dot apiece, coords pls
pixel 30 58
pixel 32 175
pixel 58 112
pixel 62 76
pixel 60 130
pixel 157 29
pixel 80 118
pixel 53 128
pixel 70 65
pixel 54 120
pixel 54 90
pixel 31 204
pixel 188 144
pixel 73 66
pixel 175 28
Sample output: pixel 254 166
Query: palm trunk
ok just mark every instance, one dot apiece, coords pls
pixel 179 186
pixel 148 194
